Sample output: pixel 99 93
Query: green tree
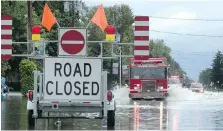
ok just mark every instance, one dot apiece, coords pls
pixel 216 72
pixel 159 49
pixel 121 17
pixel 26 68
pixel 16 9
pixel 65 19
pixel 4 67
pixel 204 77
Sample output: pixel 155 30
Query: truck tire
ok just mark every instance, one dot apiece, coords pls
pixel 110 118
pixel 31 120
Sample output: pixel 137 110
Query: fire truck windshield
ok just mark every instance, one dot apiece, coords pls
pixel 145 72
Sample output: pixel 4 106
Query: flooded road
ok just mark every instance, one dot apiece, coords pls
pixel 183 110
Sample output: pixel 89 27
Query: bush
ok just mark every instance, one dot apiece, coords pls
pixel 4 67
pixel 26 68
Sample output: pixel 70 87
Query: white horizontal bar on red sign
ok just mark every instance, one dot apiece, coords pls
pixel 6 37
pixel 141 38
pixel 71 42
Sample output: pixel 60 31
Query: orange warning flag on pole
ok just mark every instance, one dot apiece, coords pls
pixel 99 18
pixel 48 19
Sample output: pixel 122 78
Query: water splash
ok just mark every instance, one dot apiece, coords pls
pixel 182 94
pixel 121 95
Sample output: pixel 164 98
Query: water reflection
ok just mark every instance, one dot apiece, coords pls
pixel 142 115
pixel 150 117
pixel 13 114
pixel 134 115
pixel 195 116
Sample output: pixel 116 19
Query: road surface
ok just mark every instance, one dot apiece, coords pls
pixel 182 110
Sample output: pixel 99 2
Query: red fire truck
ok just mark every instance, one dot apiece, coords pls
pixel 148 78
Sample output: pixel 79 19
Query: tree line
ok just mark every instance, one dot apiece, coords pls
pixel 212 78
pixel 120 15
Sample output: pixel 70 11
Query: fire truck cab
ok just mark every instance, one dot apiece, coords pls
pixel 148 78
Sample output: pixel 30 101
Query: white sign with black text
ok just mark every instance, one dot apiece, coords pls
pixel 72 79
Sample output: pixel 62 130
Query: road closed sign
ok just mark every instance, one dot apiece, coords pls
pixel 72 79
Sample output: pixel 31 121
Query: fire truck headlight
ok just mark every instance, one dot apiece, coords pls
pixel 136 86
pixel 160 87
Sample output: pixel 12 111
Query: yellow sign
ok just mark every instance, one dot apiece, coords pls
pixel 110 37
pixel 35 36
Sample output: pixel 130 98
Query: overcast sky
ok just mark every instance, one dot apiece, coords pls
pixel 191 52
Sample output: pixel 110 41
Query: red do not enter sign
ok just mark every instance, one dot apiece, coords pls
pixel 72 42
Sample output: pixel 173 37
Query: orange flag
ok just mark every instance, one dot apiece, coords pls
pixel 48 19
pixel 99 18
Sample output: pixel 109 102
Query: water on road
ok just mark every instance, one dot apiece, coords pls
pixel 182 110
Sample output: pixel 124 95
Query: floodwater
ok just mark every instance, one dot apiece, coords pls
pixel 183 110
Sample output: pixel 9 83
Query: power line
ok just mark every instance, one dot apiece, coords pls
pixel 158 17
pixel 210 54
pixel 174 33
pixel 191 52
pixel 186 58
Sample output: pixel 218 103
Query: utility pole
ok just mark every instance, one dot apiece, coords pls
pixel 120 66
pixel 29 28
pixel 72 13
pixel 111 63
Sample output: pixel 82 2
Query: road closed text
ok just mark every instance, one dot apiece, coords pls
pixel 71 78
pixel 76 88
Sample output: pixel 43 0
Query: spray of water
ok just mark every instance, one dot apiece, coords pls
pixel 121 95
pixel 182 94
pixel 176 95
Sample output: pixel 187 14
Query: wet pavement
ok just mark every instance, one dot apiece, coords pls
pixel 183 110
